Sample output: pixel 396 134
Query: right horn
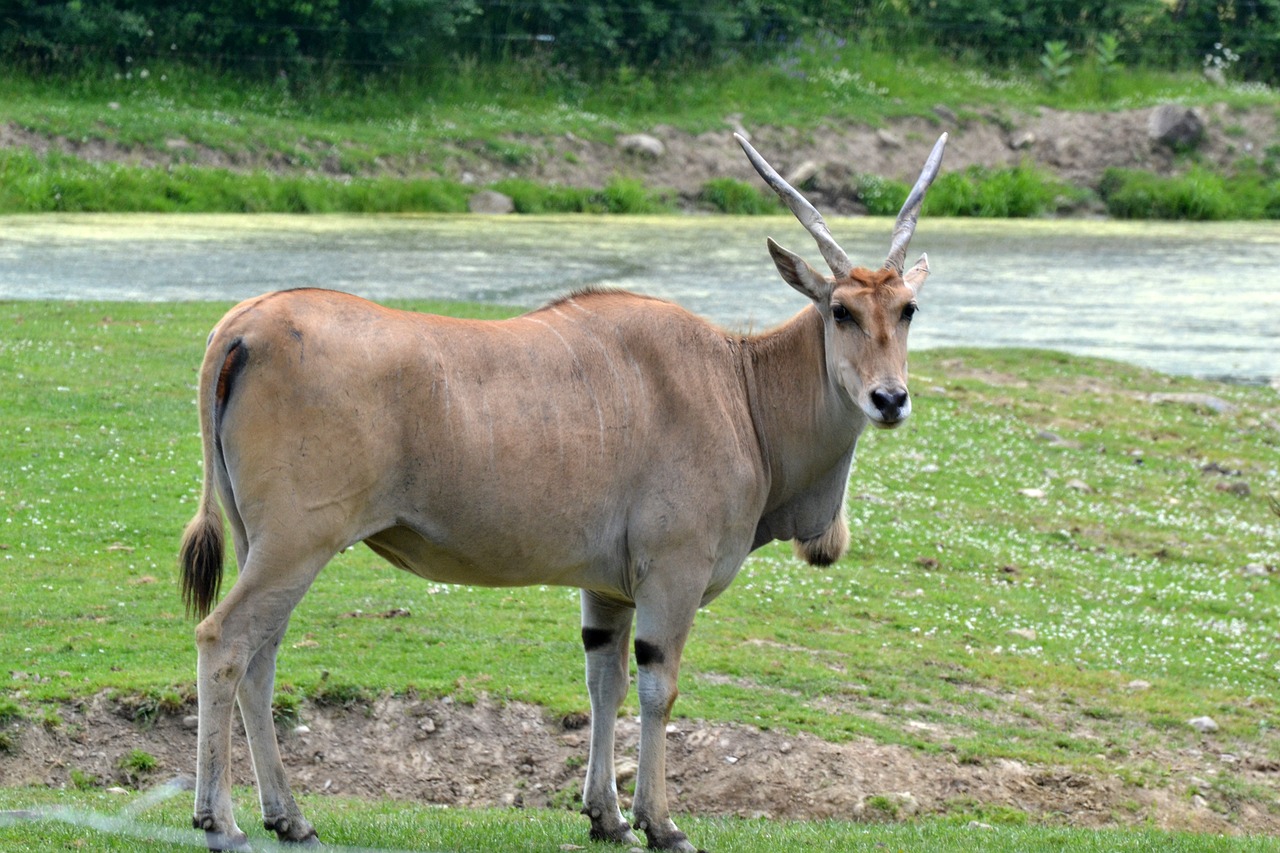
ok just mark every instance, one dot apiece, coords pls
pixel 910 213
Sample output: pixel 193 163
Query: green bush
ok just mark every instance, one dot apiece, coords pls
pixel 1197 195
pixel 1020 191
pixel 729 195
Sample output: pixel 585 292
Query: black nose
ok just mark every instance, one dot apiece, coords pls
pixel 889 403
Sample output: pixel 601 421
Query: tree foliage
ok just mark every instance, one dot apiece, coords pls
pixel 357 37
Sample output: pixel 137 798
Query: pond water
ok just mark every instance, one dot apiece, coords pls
pixel 1195 299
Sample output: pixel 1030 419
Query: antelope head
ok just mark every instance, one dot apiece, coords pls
pixel 866 313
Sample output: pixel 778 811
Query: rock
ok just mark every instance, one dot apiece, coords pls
pixel 888 139
pixel 945 113
pixel 1239 488
pixel 1175 126
pixel 491 202
pixel 1204 725
pixel 1138 684
pixel 1255 570
pixel 191 721
pixel 803 173
pixel 1038 494
pixel 643 144
pixel 1056 440
pixel 1028 634
pixel 1217 405
pixel 301 730
pixel 625 769
pixel 1022 139
pixel 1079 486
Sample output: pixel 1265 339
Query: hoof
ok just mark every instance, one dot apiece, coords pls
pixel 293 833
pixel 668 838
pixel 618 834
pixel 215 839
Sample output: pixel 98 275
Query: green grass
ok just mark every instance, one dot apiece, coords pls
pixel 326 123
pixel 126 823
pixel 334 138
pixel 1008 621
pixel 1198 195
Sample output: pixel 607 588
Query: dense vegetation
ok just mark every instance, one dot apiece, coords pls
pixel 427 37
pixel 340 105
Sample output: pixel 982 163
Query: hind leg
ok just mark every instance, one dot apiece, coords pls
pixel 253 615
pixel 280 812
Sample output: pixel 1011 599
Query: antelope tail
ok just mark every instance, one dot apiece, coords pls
pixel 204 540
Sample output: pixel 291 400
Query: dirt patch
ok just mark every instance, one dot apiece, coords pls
pixel 444 752
pixel 1077 146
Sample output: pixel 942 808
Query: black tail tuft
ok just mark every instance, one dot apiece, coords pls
pixel 201 557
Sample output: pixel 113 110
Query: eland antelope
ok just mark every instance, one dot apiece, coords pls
pixel 608 441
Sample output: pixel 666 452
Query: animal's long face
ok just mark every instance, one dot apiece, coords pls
pixel 867 321
pixel 866 314
pixel 866 317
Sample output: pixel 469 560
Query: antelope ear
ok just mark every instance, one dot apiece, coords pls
pixel 796 272
pixel 914 277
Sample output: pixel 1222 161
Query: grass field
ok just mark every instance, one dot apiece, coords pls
pixel 120 824
pixel 1046 533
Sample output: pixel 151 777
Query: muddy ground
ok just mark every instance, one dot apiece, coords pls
pixel 488 754
pixel 1076 146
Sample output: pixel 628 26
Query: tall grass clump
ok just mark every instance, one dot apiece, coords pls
pixel 619 195
pixel 1199 195
pixel 30 183
pixel 1020 191
pixel 729 195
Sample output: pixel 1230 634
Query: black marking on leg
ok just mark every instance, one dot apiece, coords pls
pixel 647 653
pixel 594 638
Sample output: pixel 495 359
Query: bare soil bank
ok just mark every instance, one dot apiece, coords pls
pixel 1076 146
pixel 443 752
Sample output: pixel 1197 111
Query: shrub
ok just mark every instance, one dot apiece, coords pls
pixel 728 195
pixel 1020 191
pixel 1197 195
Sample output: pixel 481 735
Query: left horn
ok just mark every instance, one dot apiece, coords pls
pixel 804 211
pixel 910 213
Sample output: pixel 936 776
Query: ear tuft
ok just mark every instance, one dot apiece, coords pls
pixel 796 272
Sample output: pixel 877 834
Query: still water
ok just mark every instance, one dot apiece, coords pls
pixel 1195 299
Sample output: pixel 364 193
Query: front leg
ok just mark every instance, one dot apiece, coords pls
pixel 606 629
pixel 664 618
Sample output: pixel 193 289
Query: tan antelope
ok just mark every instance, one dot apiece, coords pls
pixel 608 441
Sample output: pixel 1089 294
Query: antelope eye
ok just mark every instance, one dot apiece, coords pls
pixel 909 311
pixel 840 313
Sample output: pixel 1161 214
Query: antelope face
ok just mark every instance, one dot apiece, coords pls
pixel 866 316
pixel 867 321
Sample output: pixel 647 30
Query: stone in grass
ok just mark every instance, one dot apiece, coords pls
pixel 491 202
pixel 1204 725
pixel 642 144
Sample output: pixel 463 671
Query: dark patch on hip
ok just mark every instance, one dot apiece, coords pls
pixel 594 638
pixel 647 653
pixel 236 358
